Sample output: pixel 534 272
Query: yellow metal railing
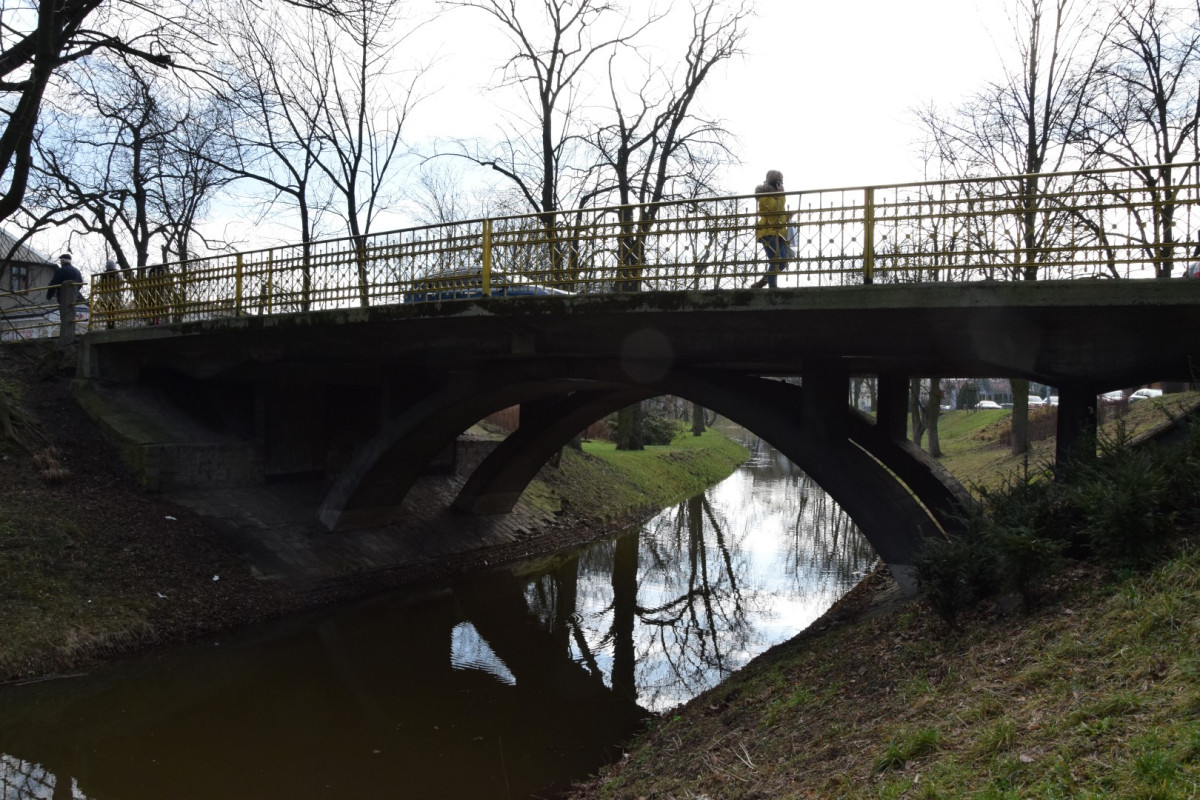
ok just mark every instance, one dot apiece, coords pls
pixel 1101 223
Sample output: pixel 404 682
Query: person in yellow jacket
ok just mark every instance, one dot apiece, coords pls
pixel 772 226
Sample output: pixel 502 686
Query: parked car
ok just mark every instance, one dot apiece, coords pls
pixel 1145 394
pixel 1115 396
pixel 467 284
pixel 982 404
pixel 1035 401
pixel 1052 400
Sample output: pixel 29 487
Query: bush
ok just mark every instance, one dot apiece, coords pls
pixel 1121 508
pixel 948 572
pixel 656 428
pixel 660 429
pixel 1125 504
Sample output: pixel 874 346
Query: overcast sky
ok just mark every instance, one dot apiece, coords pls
pixel 824 93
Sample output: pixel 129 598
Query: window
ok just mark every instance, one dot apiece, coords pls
pixel 18 277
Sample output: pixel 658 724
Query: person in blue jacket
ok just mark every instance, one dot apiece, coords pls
pixel 64 273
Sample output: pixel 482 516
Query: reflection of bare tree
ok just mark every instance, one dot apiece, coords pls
pixel 824 546
pixel 21 779
pixel 554 599
pixel 624 584
pixel 695 608
pixel 825 549
pixel 673 609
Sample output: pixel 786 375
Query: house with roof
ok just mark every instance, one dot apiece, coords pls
pixel 24 276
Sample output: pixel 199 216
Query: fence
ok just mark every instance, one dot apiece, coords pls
pixel 28 315
pixel 1097 224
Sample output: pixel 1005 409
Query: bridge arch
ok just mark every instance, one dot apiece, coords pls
pixel 368 490
pixel 888 489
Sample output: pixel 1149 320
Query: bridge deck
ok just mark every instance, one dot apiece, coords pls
pixel 1108 333
pixel 1096 224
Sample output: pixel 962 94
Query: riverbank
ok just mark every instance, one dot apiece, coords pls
pixel 1093 693
pixel 1096 694
pixel 92 567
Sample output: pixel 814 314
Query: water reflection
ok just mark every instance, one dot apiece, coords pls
pixel 506 686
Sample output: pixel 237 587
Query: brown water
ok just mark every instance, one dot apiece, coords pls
pixel 508 686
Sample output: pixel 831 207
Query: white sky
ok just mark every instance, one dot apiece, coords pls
pixel 824 93
pixel 852 72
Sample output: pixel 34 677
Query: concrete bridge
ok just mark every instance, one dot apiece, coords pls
pixel 369 397
pixel 358 362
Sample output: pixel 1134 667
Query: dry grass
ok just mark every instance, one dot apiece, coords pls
pixel 1096 695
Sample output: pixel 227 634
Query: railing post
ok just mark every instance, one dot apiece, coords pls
pixel 487 258
pixel 270 287
pixel 91 300
pixel 237 287
pixel 869 235
pixel 66 313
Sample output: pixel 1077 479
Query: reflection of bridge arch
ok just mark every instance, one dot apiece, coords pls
pixel 891 492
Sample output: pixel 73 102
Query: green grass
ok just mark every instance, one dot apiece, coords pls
pixel 1060 704
pixel 974 451
pixel 57 600
pixel 605 483
pixel 1094 692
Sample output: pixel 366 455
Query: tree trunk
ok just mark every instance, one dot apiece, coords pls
pixel 934 409
pixel 914 405
pixel 629 428
pixel 1020 417
pixel 697 419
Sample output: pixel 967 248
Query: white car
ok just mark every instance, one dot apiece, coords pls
pixel 982 404
pixel 1115 396
pixel 1052 400
pixel 1145 394
pixel 1035 401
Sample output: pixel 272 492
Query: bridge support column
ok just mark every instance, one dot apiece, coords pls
pixel 880 506
pixel 825 403
pixel 1075 433
pixel 891 416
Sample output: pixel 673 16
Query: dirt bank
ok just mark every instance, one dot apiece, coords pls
pixel 91 566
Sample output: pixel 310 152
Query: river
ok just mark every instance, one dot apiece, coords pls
pixel 509 685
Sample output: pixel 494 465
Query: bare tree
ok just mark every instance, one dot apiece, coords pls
pixel 276 137
pixel 656 139
pixel 441 196
pixel 362 121
pixel 549 67
pixel 1025 125
pixel 190 171
pixel 38 39
pixel 369 102
pixel 97 162
pixel 324 109
pixel 1146 111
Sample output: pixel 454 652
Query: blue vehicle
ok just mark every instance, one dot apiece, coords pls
pixel 467 284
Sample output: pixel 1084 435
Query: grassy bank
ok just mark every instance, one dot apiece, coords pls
pixel 975 445
pixel 1093 692
pixel 605 484
pixel 1096 695
pixel 90 566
